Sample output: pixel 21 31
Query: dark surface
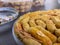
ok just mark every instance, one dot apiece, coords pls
pixel 7 38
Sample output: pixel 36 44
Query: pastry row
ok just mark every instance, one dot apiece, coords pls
pixel 39 28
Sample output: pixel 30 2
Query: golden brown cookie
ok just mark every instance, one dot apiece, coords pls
pixel 39 28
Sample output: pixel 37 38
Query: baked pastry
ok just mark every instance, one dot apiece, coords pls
pixel 57 32
pixel 19 5
pixel 50 26
pixel 39 28
pixel 59 39
pixel 56 44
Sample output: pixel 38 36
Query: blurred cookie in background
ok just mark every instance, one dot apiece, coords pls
pixel 38 2
pixel 20 5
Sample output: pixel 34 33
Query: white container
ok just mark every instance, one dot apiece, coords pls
pixel 7 25
pixel 51 4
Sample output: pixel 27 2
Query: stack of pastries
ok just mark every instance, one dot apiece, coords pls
pixel 21 6
pixel 39 28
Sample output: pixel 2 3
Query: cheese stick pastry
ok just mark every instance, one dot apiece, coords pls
pixel 41 23
pixel 25 24
pixel 59 39
pixel 17 27
pixel 45 17
pixel 47 33
pixel 32 23
pixel 40 36
pixel 57 32
pixel 27 39
pixel 50 26
pixel 56 20
pixel 56 44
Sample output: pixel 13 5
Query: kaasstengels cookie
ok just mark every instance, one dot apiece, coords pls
pixel 39 28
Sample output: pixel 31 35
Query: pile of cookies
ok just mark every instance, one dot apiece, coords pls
pixel 39 28
pixel 20 6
